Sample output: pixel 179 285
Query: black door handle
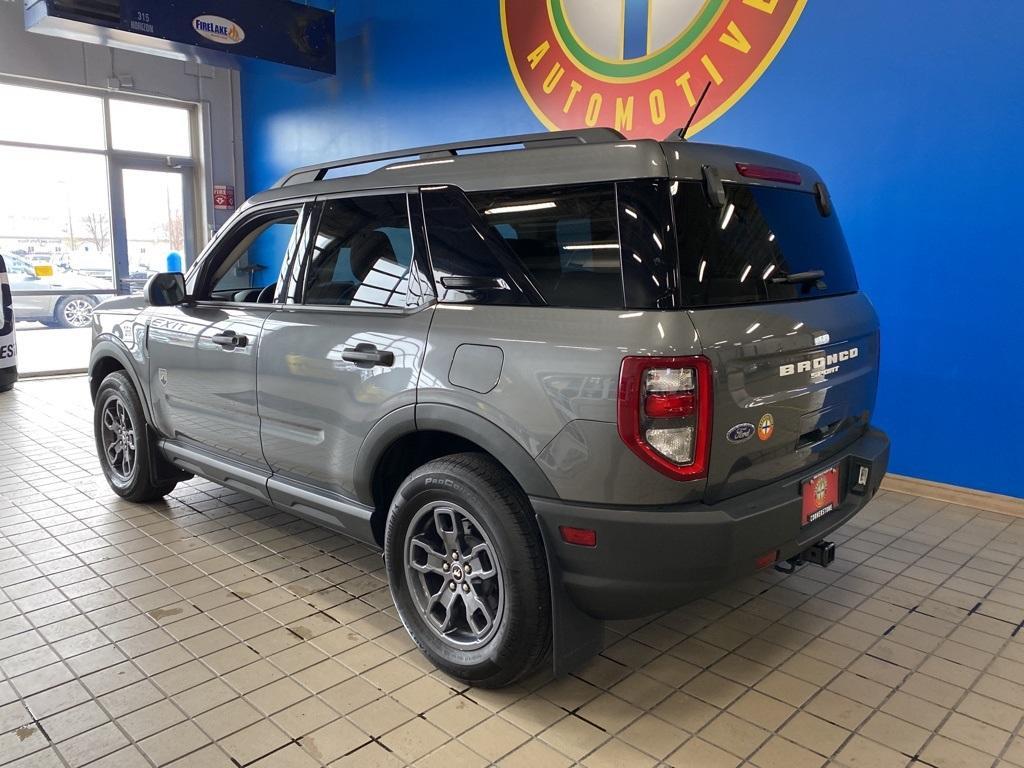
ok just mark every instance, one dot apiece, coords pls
pixel 230 340
pixel 367 356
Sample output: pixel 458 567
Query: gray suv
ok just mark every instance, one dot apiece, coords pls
pixel 557 378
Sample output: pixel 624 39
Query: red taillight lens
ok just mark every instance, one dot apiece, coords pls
pixel 766 173
pixel 664 413
pixel 669 406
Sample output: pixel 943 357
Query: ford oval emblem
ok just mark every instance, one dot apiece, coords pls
pixel 740 433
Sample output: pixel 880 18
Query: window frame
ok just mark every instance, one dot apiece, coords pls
pixel 419 265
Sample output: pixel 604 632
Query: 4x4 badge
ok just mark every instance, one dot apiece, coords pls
pixel 740 433
pixel 765 427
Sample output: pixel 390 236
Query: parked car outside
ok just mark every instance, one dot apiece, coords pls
pixel 584 379
pixel 38 298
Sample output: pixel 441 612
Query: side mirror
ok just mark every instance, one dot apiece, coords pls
pixel 165 289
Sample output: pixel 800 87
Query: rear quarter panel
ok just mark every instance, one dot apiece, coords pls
pixel 556 391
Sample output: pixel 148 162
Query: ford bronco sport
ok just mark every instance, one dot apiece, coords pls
pixel 558 378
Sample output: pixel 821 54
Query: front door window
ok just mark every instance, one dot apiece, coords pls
pixel 251 260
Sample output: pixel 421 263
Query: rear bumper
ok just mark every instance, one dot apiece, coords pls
pixel 651 559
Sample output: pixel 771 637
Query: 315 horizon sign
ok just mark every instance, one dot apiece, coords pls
pixel 640 66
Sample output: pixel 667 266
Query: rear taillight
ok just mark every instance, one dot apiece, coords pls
pixel 665 413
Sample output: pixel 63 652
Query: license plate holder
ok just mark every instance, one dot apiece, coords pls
pixel 820 495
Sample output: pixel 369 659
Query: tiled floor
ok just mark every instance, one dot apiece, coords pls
pixel 213 631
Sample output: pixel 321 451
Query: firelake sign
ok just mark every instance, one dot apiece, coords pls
pixel 640 65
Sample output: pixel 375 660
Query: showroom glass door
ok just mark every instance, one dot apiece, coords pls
pixel 158 223
pixel 97 189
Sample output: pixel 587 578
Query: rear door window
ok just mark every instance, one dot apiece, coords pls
pixel 362 253
pixel 650 263
pixel 743 252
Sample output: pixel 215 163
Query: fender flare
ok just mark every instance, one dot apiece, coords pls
pixel 437 417
pixel 107 347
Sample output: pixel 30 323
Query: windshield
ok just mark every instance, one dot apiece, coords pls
pixel 765 244
pixel 14 264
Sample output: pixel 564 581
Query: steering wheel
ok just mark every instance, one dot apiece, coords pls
pixel 267 294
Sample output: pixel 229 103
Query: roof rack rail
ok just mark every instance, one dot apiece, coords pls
pixel 529 140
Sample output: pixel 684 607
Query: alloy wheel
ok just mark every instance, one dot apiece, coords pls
pixel 454 575
pixel 78 313
pixel 119 440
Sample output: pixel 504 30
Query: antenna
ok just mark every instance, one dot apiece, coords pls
pixel 696 108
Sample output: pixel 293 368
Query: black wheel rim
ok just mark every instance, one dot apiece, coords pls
pixel 454 575
pixel 117 433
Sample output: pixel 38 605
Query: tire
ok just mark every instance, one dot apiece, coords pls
pixel 122 441
pixel 74 311
pixel 474 499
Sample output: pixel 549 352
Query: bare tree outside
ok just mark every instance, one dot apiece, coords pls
pixel 97 229
pixel 174 230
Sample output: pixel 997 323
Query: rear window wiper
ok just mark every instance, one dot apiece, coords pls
pixel 813 277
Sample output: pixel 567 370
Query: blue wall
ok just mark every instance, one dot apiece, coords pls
pixel 913 111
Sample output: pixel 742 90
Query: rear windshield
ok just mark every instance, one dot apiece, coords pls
pixel 743 252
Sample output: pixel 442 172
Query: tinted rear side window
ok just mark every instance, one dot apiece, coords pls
pixel 566 239
pixel 362 253
pixel 741 253
pixel 465 250
pixel 650 265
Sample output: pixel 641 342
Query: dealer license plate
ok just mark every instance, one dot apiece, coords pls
pixel 821 495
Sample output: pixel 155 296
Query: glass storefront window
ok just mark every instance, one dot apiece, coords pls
pixel 54 212
pixel 83 218
pixel 144 127
pixel 41 116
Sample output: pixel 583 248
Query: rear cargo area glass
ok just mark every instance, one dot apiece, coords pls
pixel 742 252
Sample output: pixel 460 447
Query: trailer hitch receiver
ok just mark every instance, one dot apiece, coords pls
pixel 822 553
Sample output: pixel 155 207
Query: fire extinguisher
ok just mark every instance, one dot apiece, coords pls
pixel 8 343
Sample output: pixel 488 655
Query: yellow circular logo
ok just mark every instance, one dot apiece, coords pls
pixel 766 427
pixel 640 66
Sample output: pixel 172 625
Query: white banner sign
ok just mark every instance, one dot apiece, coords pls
pixel 8 343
